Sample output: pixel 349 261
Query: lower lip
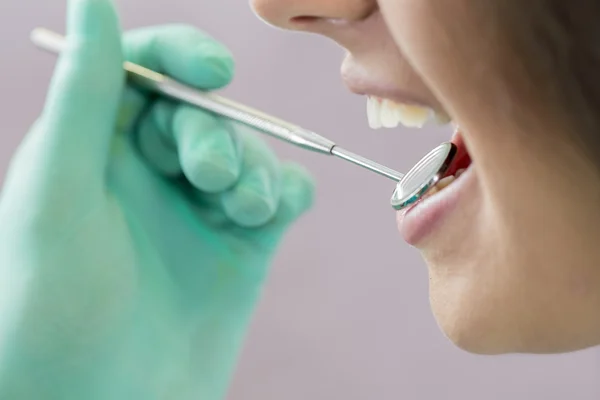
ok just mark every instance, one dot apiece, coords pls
pixel 422 219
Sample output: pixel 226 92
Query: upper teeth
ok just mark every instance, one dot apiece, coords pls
pixel 388 114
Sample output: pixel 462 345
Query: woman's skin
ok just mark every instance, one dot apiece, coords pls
pixel 515 267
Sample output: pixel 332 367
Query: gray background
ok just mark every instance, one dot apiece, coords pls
pixel 345 314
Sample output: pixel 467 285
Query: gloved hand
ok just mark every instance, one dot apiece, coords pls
pixel 135 233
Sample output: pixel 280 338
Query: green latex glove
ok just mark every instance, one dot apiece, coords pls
pixel 135 233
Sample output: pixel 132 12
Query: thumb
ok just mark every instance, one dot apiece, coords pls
pixel 85 92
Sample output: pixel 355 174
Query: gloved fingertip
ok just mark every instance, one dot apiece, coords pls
pixel 92 18
pixel 210 160
pixel 183 52
pixel 298 189
pixel 212 173
pixel 253 202
pixel 219 59
pixel 297 197
pixel 252 211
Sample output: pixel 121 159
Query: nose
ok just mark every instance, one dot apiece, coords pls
pixel 305 14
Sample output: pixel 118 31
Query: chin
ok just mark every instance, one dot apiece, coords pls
pixel 484 313
pixel 466 314
pixel 469 330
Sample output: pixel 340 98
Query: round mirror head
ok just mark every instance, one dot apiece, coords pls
pixel 423 176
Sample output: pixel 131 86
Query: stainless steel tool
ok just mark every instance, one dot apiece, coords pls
pixel 410 187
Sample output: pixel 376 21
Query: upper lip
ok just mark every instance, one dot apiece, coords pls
pixel 373 60
pixel 359 81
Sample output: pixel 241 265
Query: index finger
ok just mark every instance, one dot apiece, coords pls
pixel 182 52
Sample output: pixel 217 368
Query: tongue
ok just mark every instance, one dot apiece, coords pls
pixel 462 159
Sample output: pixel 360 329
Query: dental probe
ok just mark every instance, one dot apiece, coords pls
pixel 277 128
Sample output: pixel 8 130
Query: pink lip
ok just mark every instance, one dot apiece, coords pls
pixel 359 81
pixel 422 219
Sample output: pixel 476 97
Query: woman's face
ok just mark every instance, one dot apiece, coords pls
pixel 513 245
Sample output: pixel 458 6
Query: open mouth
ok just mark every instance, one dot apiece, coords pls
pixel 460 164
pixel 418 220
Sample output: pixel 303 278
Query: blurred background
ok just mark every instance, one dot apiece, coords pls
pixel 345 313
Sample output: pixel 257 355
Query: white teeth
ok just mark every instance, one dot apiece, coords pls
pixel 442 118
pixel 388 114
pixel 373 112
pixel 431 192
pixel 445 182
pixel 413 116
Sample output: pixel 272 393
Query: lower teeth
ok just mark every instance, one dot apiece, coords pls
pixel 444 182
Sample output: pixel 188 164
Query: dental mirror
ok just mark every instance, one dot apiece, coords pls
pixel 423 176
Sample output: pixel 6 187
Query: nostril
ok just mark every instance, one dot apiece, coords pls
pixel 303 19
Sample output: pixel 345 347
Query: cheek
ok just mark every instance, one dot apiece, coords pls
pixel 413 22
pixel 473 295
